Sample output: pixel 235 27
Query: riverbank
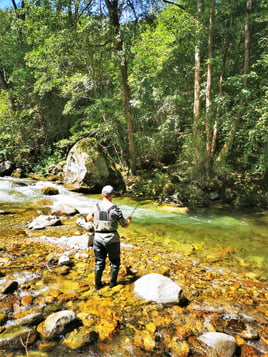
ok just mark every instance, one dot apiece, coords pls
pixel 115 322
pixel 177 185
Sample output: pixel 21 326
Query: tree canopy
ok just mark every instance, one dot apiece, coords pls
pixel 157 83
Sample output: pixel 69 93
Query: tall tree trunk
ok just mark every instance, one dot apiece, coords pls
pixel 215 127
pixel 247 42
pixel 128 115
pixel 228 145
pixel 209 80
pixel 197 103
pixel 3 83
pixel 114 17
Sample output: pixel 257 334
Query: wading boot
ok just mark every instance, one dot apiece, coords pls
pixel 98 282
pixel 113 281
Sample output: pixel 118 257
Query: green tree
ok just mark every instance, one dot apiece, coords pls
pixel 161 82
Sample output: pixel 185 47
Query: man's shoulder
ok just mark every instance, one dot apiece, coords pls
pixel 107 205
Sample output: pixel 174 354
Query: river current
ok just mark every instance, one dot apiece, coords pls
pixel 219 236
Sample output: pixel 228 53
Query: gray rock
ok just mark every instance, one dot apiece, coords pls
pixel 6 168
pixel 80 242
pixel 43 221
pixel 89 167
pixel 158 288
pixel 64 260
pixel 222 344
pixel 63 210
pixel 57 324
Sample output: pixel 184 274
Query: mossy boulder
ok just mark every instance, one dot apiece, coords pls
pixel 89 167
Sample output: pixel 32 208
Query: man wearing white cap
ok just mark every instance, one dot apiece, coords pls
pixel 106 216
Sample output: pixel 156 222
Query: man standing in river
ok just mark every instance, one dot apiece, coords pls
pixel 106 216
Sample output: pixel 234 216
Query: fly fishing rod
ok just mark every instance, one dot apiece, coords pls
pixel 131 214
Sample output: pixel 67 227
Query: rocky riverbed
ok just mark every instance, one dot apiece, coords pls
pixel 49 307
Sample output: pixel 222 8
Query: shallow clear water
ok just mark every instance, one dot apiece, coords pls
pixel 222 237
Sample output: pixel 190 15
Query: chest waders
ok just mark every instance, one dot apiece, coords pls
pixel 104 223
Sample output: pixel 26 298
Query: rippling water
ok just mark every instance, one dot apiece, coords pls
pixel 219 236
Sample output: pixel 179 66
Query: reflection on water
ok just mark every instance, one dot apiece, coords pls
pixel 227 238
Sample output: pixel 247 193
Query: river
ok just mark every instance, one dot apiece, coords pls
pixel 220 236
pixel 217 255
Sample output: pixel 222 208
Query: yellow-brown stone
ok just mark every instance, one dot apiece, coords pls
pixel 26 300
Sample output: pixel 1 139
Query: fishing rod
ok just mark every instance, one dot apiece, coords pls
pixel 131 214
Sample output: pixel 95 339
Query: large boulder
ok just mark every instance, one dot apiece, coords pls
pixel 89 167
pixel 6 168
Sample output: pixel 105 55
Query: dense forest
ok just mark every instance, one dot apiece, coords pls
pixel 175 90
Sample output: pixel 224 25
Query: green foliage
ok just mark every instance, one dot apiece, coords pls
pixel 161 100
pixel 60 81
pixel 47 158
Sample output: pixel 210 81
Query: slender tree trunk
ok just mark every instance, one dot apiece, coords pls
pixel 197 103
pixel 3 83
pixel 19 15
pixel 228 145
pixel 247 42
pixel 196 90
pixel 128 114
pixel 215 127
pixel 113 9
pixel 209 80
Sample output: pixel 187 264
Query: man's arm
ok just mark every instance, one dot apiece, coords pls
pixel 124 222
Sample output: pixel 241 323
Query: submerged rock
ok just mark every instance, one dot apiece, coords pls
pixel 79 338
pixel 49 191
pixel 82 242
pixel 12 336
pixel 31 319
pixel 158 288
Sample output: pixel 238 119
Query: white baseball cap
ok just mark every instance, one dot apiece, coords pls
pixel 107 190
